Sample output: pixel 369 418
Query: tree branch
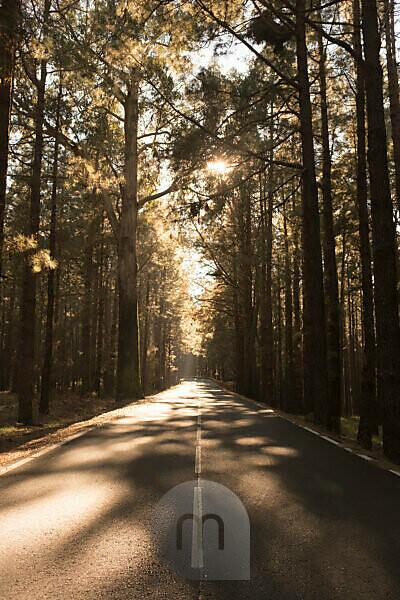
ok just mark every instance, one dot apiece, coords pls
pixel 157 195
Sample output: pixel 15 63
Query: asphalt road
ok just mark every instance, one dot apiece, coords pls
pixel 90 519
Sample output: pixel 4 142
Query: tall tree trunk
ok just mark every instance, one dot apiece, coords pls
pixel 245 280
pixel 269 331
pixel 26 359
pixel 159 340
pixel 129 386
pixel 98 377
pixel 47 381
pixel 267 334
pixel 87 331
pixel 288 396
pixel 383 236
pixel 342 296
pixel 3 307
pixel 329 249
pixel 9 344
pixel 368 408
pixel 239 339
pixel 297 336
pixel 279 359
pixel 146 331
pixel 9 19
pixel 314 356
pixel 109 375
pixel 393 80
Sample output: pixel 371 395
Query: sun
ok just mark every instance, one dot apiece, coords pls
pixel 219 167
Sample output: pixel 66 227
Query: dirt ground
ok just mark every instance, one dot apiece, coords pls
pixel 69 414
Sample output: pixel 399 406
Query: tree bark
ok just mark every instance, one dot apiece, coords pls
pixel 314 355
pixel 98 375
pixel 26 360
pixel 297 324
pixel 47 381
pixel 87 305
pixel 146 331
pixel 329 250
pixel 383 237
pixel 288 395
pixel 368 407
pixel 393 81
pixel 129 385
pixel 239 338
pixel 10 341
pixel 159 339
pixel 245 282
pixel 109 374
pixel 9 19
pixel 278 333
pixel 267 335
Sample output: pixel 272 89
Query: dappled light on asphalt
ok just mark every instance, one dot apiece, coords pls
pixel 71 504
pixel 83 513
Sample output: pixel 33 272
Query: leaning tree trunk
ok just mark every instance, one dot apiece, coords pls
pixel 9 17
pixel 26 357
pixel 47 383
pixel 384 239
pixel 368 408
pixel 314 356
pixel 330 266
pixel 129 385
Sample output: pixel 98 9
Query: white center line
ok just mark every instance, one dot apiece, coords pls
pixel 197 559
pixel 197 468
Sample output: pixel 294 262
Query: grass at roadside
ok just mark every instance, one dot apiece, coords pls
pixel 349 429
pixel 65 410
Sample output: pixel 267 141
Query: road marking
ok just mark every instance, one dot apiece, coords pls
pixel 197 560
pixel 365 457
pixel 308 429
pixel 197 468
pixel 330 440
